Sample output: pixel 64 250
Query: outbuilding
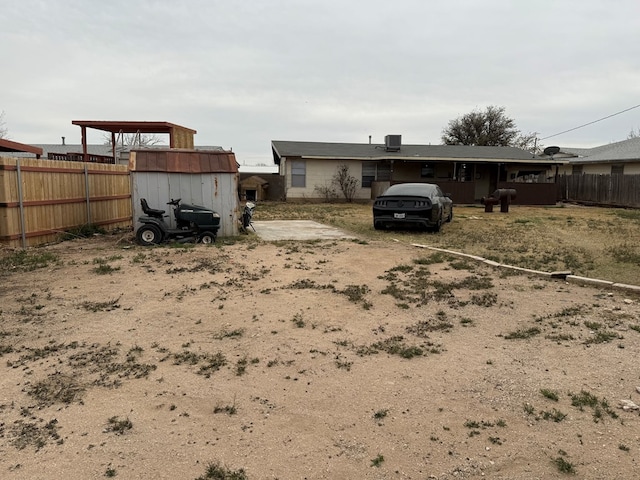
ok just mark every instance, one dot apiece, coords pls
pixel 200 177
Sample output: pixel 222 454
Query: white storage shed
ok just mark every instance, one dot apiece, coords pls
pixel 200 177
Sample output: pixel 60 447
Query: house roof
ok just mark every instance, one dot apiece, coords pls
pixel 92 149
pixel 365 151
pixel 618 152
pixel 62 149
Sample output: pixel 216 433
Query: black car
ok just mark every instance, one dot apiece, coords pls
pixel 421 205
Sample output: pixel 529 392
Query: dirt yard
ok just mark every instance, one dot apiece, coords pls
pixel 309 360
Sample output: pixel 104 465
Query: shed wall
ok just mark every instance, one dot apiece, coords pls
pixel 218 191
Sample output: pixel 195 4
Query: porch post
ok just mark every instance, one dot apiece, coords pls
pixel 84 143
pixel 113 146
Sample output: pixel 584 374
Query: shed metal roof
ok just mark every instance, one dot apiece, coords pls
pixel 183 161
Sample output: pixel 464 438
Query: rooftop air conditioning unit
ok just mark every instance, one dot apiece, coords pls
pixel 392 143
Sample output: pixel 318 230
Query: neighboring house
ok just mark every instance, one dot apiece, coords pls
pixel 611 159
pixel 57 151
pixel 467 172
pixel 100 153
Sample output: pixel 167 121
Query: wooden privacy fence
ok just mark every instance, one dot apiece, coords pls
pixel 39 199
pixel 614 190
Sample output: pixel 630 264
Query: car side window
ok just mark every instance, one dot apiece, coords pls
pixel 439 192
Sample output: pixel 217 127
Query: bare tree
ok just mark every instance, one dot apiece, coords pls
pixel 491 127
pixel 346 182
pixel 634 133
pixel 3 126
pixel 134 140
pixel 529 142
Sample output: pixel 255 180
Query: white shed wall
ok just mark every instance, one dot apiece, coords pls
pixel 218 191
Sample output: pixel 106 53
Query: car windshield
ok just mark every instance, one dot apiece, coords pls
pixel 410 189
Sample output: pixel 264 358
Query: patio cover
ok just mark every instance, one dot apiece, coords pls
pixel 179 136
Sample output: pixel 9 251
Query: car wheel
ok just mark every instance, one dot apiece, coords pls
pixel 377 225
pixel 438 225
pixel 207 238
pixel 450 217
pixel 149 235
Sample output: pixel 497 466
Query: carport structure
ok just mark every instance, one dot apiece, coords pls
pixel 179 136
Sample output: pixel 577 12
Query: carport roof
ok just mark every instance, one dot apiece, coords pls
pixel 365 151
pixel 179 136
pixel 10 146
pixel 130 126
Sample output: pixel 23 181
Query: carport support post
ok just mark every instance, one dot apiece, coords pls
pixel 113 147
pixel 83 129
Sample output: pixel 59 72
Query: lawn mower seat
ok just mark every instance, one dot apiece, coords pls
pixel 152 212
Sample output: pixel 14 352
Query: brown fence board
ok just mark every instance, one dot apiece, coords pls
pixel 54 198
pixel 614 190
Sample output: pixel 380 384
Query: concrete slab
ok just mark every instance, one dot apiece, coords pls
pixel 297 230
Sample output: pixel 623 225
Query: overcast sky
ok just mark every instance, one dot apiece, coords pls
pixel 245 72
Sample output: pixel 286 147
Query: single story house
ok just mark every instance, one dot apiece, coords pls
pixel 468 173
pixel 65 151
pixel 622 158
pixel 97 153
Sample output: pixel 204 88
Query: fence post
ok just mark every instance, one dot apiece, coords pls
pixel 23 233
pixel 87 192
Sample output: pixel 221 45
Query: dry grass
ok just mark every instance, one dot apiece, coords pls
pixel 588 241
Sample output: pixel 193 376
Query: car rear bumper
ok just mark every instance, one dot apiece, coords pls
pixel 408 221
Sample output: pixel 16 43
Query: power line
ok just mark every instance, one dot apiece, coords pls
pixel 591 123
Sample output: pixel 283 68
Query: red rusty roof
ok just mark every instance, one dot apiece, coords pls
pixel 183 161
pixel 9 146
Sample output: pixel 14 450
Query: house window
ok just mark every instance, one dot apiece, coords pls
pixel 617 169
pixel 384 172
pixel 372 172
pixel 298 173
pixel 368 174
pixel 576 169
pixel 427 170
